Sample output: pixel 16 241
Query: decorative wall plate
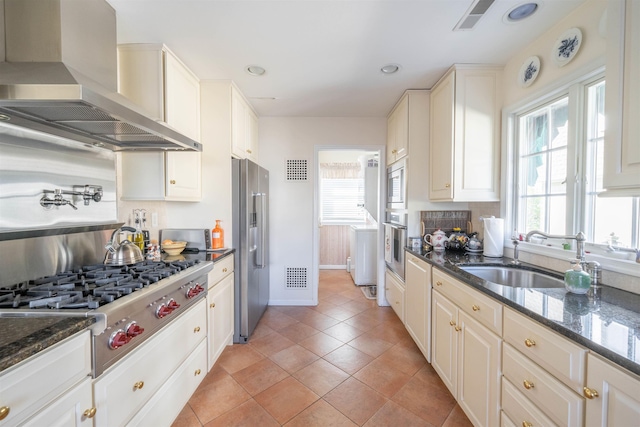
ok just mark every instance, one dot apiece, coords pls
pixel 529 71
pixel 566 46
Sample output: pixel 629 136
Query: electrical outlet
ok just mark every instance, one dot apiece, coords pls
pixel 154 219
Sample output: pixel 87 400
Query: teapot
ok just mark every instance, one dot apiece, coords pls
pixel 457 240
pixel 123 253
pixel 474 244
pixel 437 240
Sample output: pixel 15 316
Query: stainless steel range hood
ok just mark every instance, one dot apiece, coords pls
pixel 60 77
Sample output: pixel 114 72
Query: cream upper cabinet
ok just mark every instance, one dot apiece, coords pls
pixel 464 144
pixel 622 104
pixel 612 395
pixel 151 76
pixel 465 353
pixel 244 128
pixel 418 302
pixel 398 131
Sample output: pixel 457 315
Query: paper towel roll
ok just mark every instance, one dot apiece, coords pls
pixel 493 237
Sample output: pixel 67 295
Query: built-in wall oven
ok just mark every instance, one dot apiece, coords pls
pixel 395 236
pixel 397 185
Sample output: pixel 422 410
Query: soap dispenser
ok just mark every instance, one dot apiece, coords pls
pixel 577 280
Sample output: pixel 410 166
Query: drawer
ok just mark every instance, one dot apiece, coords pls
pixel 221 269
pixel 28 386
pixel 123 389
pixel 505 421
pixel 167 403
pixel 555 353
pixel 560 403
pixel 520 410
pixel 482 308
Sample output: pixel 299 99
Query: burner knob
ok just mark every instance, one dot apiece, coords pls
pixel 118 339
pixel 133 330
pixel 173 304
pixel 193 291
pixel 162 311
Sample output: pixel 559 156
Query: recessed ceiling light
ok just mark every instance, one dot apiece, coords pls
pixel 255 70
pixel 390 69
pixel 521 12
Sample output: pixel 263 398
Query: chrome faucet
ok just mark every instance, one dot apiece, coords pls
pixel 516 253
pixel 579 238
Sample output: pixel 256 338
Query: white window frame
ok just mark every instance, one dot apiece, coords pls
pixel 573 85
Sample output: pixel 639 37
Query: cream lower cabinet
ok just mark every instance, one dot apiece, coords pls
pixel 466 353
pixel 418 302
pixel 50 388
pixel 220 311
pixel 394 292
pixel 138 382
pixel 613 395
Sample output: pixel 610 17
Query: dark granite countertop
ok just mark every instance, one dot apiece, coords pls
pixel 608 323
pixel 22 336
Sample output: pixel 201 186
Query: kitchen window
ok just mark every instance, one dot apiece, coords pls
pixel 558 153
pixel 341 193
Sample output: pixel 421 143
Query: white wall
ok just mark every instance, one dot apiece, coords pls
pixel 292 203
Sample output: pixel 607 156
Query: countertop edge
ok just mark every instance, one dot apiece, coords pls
pixel 610 355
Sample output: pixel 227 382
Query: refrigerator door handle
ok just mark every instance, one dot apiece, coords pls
pixel 260 261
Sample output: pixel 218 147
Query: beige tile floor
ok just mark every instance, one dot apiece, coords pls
pixel 345 362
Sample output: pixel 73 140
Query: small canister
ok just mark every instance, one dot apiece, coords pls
pixel 415 243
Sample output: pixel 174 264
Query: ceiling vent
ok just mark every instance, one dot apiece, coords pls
pixel 473 15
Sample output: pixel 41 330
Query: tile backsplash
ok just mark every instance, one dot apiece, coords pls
pixel 444 220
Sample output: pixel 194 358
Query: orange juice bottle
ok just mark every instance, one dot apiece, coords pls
pixel 217 236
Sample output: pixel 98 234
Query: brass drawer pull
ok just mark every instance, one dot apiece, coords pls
pixel 224 270
pixel 529 342
pixel 438 283
pixel 212 305
pixel 458 328
pixel 4 412
pixel 173 181
pixel 475 307
pixel 89 413
pixel 590 393
pixel 452 323
pixel 526 424
pixel 527 384
pixel 197 372
pixel 196 329
pixel 138 385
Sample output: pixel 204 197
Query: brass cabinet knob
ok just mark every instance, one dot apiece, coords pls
pixel 452 323
pixel 212 305
pixel 475 307
pixel 590 393
pixel 249 151
pixel 526 424
pixel 4 412
pixel 458 328
pixel 394 151
pixel 173 181
pixel 527 384
pixel 196 329
pixel 447 185
pixel 224 270
pixel 438 283
pixel 529 342
pixel 138 385
pixel 89 413
pixel 197 372
pixel 386 289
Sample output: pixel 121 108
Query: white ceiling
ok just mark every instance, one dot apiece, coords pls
pixel 323 57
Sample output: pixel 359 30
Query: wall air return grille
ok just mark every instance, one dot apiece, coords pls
pixel 473 15
pixel 296 277
pixel 296 170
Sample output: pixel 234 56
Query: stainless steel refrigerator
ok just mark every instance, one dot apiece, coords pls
pixel 251 240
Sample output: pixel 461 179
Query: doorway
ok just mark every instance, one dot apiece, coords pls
pixel 348 214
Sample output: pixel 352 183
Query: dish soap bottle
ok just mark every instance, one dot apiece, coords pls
pixel 217 236
pixel 577 280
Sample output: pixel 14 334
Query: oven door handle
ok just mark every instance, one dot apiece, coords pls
pixel 392 225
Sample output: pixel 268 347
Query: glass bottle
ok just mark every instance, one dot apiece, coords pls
pixel 217 236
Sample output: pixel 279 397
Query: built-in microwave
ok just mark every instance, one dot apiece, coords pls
pixel 397 185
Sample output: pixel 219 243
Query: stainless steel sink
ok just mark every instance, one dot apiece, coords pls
pixel 514 277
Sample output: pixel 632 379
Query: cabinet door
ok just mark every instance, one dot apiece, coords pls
pixel 183 176
pixel 479 354
pixel 622 150
pixel 252 135
pixel 391 138
pixel 418 304
pixel 441 140
pixel 617 402
pixel 395 295
pixel 182 97
pixel 72 409
pixel 444 346
pixel 238 125
pixel 402 128
pixel 221 305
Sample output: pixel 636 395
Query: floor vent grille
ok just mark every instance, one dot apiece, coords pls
pixel 296 170
pixel 473 14
pixel 296 277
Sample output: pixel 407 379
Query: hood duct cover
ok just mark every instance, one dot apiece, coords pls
pixel 47 42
